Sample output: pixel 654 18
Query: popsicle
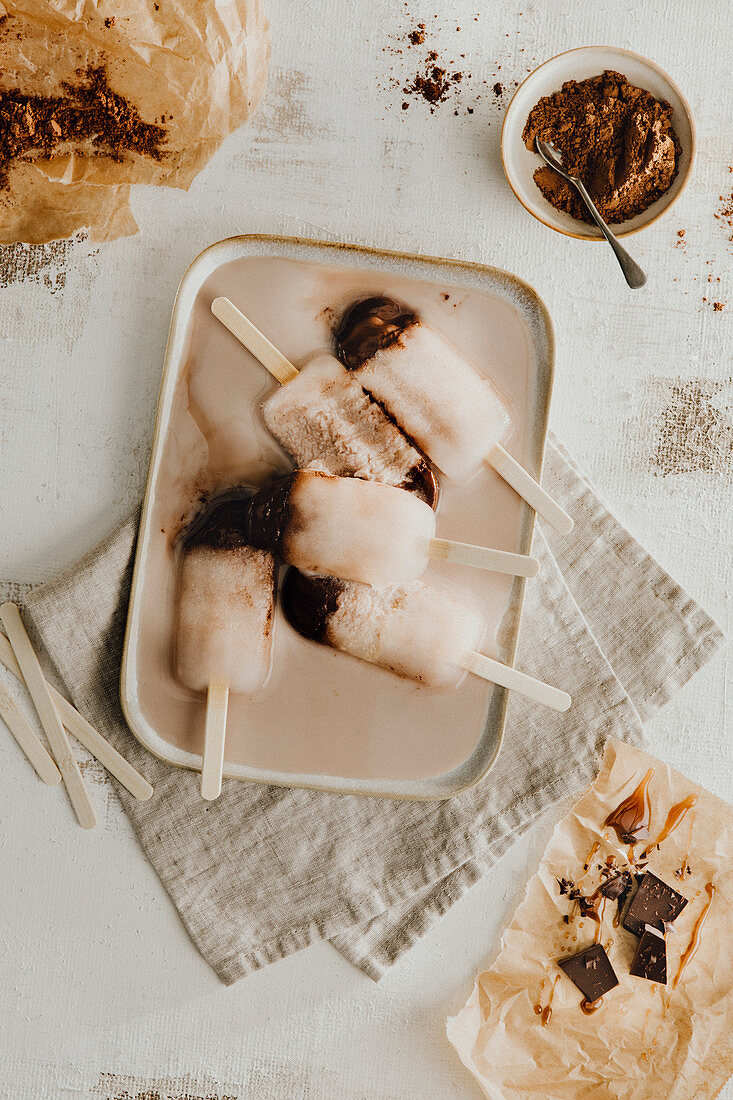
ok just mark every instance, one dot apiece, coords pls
pixel 359 530
pixel 417 631
pixel 326 421
pixel 225 618
pixel 439 399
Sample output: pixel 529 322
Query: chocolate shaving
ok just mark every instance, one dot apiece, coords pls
pixel 617 887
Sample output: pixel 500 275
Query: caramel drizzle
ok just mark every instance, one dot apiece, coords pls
pixel 691 949
pixel 599 918
pixel 589 1007
pixel 633 814
pixel 588 860
pixel 674 818
pixel 546 1014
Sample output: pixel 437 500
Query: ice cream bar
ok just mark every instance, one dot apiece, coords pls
pixel 360 530
pixel 343 526
pixel 438 398
pixel 225 605
pixel 412 630
pixel 416 631
pixel 326 421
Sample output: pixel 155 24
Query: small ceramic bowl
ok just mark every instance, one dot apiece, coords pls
pixel 520 164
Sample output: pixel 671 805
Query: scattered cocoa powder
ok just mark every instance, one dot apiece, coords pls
pixel 435 79
pixel 616 137
pixel 434 84
pixel 33 126
pixel 694 430
pixel 44 264
pixel 724 213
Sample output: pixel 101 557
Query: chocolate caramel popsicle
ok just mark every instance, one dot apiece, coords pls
pixel 436 396
pixel 439 399
pixel 225 618
pixel 326 421
pixel 359 530
pixel 417 631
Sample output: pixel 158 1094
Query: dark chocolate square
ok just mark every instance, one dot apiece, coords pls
pixel 650 960
pixel 591 971
pixel 654 903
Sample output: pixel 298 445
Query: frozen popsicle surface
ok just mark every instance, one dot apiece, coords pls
pixel 435 395
pixel 416 631
pixel 325 420
pixel 225 606
pixel 343 527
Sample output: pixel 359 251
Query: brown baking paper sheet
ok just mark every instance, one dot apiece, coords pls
pixel 50 210
pixel 199 67
pixel 630 1047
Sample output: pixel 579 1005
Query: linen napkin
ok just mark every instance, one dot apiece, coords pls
pixel 265 871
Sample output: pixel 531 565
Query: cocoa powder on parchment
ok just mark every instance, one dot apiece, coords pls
pixel 33 126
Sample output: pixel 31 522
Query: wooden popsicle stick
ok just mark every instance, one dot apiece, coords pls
pixel 85 733
pixel 529 489
pixel 482 557
pixel 101 750
pixel 28 739
pixel 49 716
pixel 511 678
pixel 217 702
pixel 254 341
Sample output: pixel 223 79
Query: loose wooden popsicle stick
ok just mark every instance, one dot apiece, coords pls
pixel 482 557
pixel 528 489
pixel 28 739
pixel 511 678
pixel 217 702
pixel 85 732
pixel 49 716
pixel 255 341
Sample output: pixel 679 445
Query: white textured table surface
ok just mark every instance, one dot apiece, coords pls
pixel 103 995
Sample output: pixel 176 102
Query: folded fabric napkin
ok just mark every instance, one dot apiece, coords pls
pixel 265 871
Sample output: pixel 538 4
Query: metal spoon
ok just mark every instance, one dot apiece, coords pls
pixel 633 274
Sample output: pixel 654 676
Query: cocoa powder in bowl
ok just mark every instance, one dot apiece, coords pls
pixel 617 138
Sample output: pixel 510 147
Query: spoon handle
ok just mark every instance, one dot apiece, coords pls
pixel 633 274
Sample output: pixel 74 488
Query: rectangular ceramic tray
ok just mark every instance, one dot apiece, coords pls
pixel 474 291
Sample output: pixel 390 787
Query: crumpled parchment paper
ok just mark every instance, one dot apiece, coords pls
pixel 631 1047
pixel 199 66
